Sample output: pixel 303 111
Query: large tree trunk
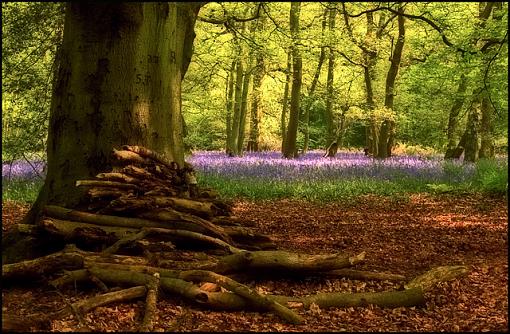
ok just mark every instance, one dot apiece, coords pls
pixel 453 117
pixel 290 150
pixel 387 132
pixel 119 82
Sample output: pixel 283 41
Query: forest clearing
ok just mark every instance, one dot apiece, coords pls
pixel 254 166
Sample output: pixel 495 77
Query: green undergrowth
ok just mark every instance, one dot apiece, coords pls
pixel 21 190
pixel 490 177
pixel 324 191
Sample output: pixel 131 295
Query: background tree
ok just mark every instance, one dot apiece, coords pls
pixel 290 149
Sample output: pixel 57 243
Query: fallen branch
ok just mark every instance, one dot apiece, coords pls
pixel 285 262
pixel 150 304
pixel 258 300
pixel 429 279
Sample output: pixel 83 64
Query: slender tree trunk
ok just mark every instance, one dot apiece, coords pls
pixel 486 128
pixel 237 105
pixel 453 117
pixel 230 103
pixel 329 85
pixel 311 92
pixel 118 83
pixel 387 132
pixel 258 76
pixel 370 57
pixel 290 147
pixel 283 122
pixel 244 106
pixel 472 145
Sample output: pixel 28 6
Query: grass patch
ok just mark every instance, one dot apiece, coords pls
pixel 318 191
pixel 21 190
pixel 491 176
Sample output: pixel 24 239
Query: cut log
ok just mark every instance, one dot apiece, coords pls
pixel 146 153
pixel 193 223
pixel 36 268
pixel 71 231
pixel 126 157
pixel 170 219
pixel 285 262
pixel 119 177
pixel 110 184
pixel 100 192
pixel 201 209
pixel 74 231
pixel 137 172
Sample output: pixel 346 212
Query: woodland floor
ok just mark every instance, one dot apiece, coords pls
pixel 405 237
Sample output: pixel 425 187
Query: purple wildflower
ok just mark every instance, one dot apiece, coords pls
pixel 313 167
pixel 21 169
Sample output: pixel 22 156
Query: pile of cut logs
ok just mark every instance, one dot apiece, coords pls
pixel 145 192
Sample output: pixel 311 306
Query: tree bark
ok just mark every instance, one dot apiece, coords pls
pixel 229 107
pixel 119 82
pixel 256 104
pixel 311 91
pixel 387 131
pixel 290 150
pixel 237 103
pixel 285 102
pixel 486 128
pixel 453 117
pixel 244 105
pixel 330 131
pixel 472 145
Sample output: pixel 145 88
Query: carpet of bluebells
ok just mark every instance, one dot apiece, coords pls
pixel 23 170
pixel 312 167
pixel 269 175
